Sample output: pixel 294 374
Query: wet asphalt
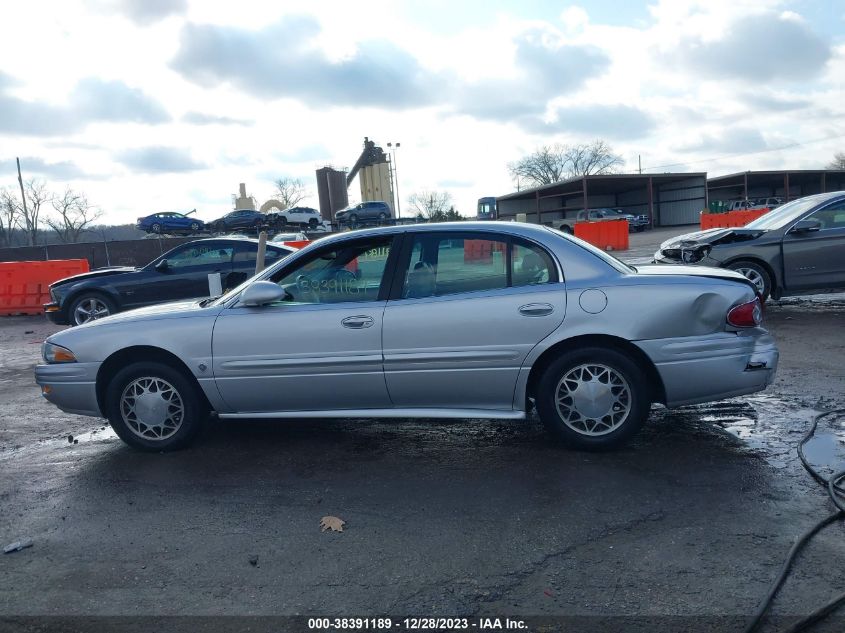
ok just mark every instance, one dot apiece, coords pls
pixel 470 517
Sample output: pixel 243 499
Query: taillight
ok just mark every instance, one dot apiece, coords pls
pixel 746 314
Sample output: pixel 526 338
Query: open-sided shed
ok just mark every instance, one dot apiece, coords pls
pixel 668 199
pixel 787 184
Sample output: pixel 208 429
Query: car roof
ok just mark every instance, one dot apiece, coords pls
pixel 519 229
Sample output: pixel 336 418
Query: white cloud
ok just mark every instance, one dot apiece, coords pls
pixel 176 103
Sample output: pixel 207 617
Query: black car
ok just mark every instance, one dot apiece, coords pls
pixel 240 219
pixel 181 273
pixel 796 249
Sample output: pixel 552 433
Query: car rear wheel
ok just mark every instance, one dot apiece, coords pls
pixel 153 407
pixel 756 274
pixel 195 227
pixel 593 398
pixel 90 307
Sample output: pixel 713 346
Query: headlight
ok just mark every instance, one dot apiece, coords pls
pixel 696 254
pixel 56 354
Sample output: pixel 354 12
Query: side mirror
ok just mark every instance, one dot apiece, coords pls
pixel 162 266
pixel 261 293
pixel 806 226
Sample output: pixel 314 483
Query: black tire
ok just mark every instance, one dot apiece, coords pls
pixel 312 223
pixel 195 227
pixel 594 437
pixel 382 216
pixel 90 298
pixel 193 415
pixel 640 229
pixel 281 223
pixel 156 228
pixel 353 220
pixel 756 273
pixel 566 229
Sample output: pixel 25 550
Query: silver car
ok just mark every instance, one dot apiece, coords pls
pixel 458 320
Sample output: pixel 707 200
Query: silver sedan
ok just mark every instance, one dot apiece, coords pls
pixel 459 320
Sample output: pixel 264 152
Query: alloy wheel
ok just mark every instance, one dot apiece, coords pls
pixel 593 399
pixel 152 408
pixel 754 277
pixel 90 310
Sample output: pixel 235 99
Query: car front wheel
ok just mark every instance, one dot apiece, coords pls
pixel 756 274
pixel 593 398
pixel 156 228
pixel 89 307
pixel 153 407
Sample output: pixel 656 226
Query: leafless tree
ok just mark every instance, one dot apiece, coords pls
pixel 838 161
pixel 29 214
pixel 73 215
pixel 432 205
pixel 552 163
pixel 592 158
pixel 543 166
pixel 289 191
pixel 8 216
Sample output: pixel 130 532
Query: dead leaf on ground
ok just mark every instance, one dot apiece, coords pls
pixel 332 523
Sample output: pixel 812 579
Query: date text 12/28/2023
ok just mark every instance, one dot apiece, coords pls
pixel 415 624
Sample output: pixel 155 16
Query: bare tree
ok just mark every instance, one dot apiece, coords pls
pixel 541 167
pixel 73 215
pixel 289 191
pixel 432 205
pixel 838 161
pixel 29 213
pixel 592 158
pixel 550 164
pixel 8 216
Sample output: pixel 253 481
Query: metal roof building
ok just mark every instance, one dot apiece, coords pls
pixel 787 183
pixel 668 199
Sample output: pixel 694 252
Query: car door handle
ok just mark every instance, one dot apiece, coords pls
pixel 357 322
pixel 536 309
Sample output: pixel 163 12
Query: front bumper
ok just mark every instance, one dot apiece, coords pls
pixel 707 368
pixel 54 313
pixel 70 386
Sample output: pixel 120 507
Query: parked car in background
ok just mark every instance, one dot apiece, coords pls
pixel 281 238
pixel 635 222
pixel 241 219
pixel 767 203
pixel 298 216
pixel 386 323
pixel 364 212
pixel 170 222
pixel 797 248
pixel 180 273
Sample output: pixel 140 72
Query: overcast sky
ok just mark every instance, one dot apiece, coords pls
pixel 154 105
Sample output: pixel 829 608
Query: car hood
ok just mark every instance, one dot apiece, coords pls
pixel 102 272
pixel 174 310
pixel 712 236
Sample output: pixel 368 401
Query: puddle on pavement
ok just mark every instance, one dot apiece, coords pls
pixel 770 426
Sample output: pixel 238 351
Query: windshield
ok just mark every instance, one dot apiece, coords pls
pixel 618 264
pixel 786 214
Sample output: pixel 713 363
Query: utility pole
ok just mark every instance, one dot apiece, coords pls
pixel 640 162
pixel 23 195
pixel 395 171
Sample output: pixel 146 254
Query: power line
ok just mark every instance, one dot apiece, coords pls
pixel 761 151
